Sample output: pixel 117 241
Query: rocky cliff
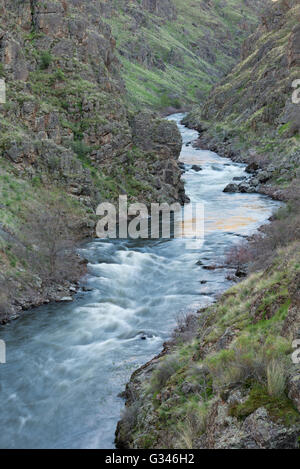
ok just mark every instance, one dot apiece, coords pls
pixel 251 115
pixel 227 379
pixel 65 112
pixel 173 51
pixel 66 133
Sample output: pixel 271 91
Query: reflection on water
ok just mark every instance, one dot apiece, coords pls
pixel 67 363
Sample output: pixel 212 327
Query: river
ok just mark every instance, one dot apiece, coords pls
pixel 67 363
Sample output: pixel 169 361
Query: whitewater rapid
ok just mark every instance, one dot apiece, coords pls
pixel 67 363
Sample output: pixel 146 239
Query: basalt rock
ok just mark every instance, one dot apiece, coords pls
pixel 72 103
pixel 252 115
pixel 231 188
pixel 66 127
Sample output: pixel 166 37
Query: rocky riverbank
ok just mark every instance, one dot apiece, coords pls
pixel 67 142
pixel 251 115
pixel 207 389
pixel 262 173
pixel 229 378
pixel 226 380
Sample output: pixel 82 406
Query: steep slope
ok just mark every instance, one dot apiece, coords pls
pixel 251 113
pixel 67 139
pixel 173 51
pixel 227 379
pixel 69 133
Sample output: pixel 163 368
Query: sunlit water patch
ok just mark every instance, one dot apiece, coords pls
pixel 67 363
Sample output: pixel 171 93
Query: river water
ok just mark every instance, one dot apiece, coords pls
pixel 67 363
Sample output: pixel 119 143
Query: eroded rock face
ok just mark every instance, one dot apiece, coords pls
pixel 67 103
pixel 257 431
pixel 260 88
pixel 294 48
pixel 152 134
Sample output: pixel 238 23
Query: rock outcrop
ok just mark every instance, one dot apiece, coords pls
pixel 163 43
pixel 66 129
pixel 65 96
pixel 233 385
pixel 252 114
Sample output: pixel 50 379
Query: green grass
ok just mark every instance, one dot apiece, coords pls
pixel 192 63
pixel 280 409
pixel 256 362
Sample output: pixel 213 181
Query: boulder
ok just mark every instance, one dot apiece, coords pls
pixel 196 167
pixel 263 176
pixel 268 434
pixel 252 168
pixel 66 299
pixel 246 187
pixel 232 187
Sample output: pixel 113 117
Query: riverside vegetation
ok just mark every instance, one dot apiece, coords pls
pixel 70 137
pixel 226 379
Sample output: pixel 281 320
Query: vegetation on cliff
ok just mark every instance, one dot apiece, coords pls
pixel 251 112
pixel 66 134
pixel 227 378
pixel 173 51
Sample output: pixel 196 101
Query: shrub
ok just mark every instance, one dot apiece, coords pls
pixel 45 60
pixel 187 327
pixel 192 427
pixel 238 255
pixel 276 377
pixel 129 417
pixel 48 230
pixel 237 365
pixel 200 374
pixel 163 373
pixel 280 409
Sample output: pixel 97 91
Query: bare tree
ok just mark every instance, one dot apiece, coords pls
pixel 238 256
pixel 51 242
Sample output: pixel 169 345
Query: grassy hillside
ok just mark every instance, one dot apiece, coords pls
pixel 67 141
pixel 172 56
pixel 227 379
pixel 251 109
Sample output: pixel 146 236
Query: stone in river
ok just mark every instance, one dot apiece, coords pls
pixel 199 263
pixel 231 188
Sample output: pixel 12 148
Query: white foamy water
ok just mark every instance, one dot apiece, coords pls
pixel 67 363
